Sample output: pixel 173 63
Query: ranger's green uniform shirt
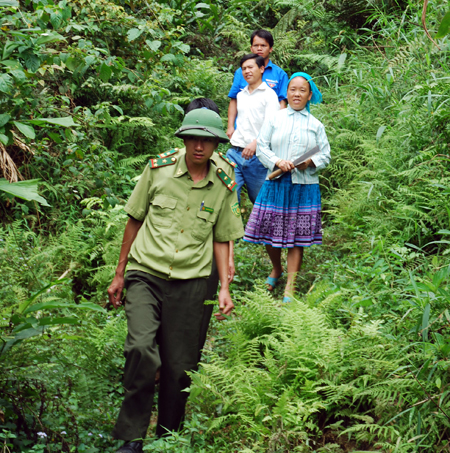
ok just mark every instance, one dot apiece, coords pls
pixel 181 221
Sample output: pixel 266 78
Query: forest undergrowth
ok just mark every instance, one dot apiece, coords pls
pixel 89 90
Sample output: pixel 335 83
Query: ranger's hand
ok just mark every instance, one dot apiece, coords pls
pixel 115 290
pixel 230 132
pixel 225 304
pixel 231 269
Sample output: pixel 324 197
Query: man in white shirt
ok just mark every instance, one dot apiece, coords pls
pixel 255 103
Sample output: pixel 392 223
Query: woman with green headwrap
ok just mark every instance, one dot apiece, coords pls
pixel 287 212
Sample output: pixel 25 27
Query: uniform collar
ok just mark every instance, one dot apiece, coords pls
pixel 269 65
pixel 182 170
pixel 210 177
pixel 291 111
pixel 181 166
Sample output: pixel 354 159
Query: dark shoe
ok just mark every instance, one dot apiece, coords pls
pixel 130 447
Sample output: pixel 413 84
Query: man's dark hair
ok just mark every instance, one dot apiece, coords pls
pixel 264 34
pixel 202 103
pixel 252 56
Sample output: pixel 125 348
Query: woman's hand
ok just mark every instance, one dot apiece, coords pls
pixel 305 165
pixel 285 165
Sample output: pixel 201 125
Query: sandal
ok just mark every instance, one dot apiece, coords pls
pixel 286 300
pixel 273 281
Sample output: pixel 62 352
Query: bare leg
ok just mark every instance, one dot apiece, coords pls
pixel 294 263
pixel 275 257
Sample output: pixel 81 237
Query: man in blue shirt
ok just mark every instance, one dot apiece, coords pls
pixel 261 44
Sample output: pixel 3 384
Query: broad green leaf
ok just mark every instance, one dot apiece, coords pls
pixel 30 300
pixel 32 62
pixel 90 59
pixel 56 20
pixel 66 121
pixel 153 45
pixel 66 12
pixel 444 232
pixel 49 37
pixel 26 130
pixel 341 61
pixel 26 190
pixel 380 131
pixel 4 118
pixel 198 15
pixel 9 48
pixel 72 63
pixel 444 28
pixel 169 57
pixel 19 75
pixel 5 83
pixel 27 333
pixel 55 304
pixel 24 334
pixel 425 322
pixel 12 64
pixel 55 137
pixel 184 48
pixel 50 321
pixel 4 139
pixel 134 33
pixel 179 108
pixel 13 3
pixel 105 72
pixel 90 306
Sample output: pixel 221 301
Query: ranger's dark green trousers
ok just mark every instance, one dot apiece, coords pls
pixel 166 328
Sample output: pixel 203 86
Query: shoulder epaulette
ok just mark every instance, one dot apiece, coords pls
pixel 228 161
pixel 226 180
pixel 169 153
pixel 162 162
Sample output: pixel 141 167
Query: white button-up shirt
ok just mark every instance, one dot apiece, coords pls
pixel 289 134
pixel 253 109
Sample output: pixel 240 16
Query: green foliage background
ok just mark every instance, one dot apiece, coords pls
pixel 90 89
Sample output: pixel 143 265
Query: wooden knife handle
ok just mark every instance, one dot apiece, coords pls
pixel 276 173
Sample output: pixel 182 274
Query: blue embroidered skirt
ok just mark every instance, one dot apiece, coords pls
pixel 286 215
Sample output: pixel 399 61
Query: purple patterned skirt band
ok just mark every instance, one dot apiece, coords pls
pixel 286 215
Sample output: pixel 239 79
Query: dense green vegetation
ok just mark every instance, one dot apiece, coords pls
pixel 360 360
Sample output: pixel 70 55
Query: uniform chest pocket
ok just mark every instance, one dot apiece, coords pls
pixel 162 210
pixel 203 225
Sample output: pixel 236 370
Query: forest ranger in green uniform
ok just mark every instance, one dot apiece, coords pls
pixel 180 211
pixel 221 161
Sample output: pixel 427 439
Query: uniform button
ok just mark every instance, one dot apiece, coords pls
pixel 188 208
pixel 170 267
pixel 182 231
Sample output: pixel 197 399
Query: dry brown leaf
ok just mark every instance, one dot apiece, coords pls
pixel 8 166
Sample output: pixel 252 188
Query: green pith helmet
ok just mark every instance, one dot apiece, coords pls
pixel 202 123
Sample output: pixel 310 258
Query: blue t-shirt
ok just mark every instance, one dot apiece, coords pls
pixel 273 75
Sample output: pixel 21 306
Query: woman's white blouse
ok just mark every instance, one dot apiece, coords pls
pixel 287 135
